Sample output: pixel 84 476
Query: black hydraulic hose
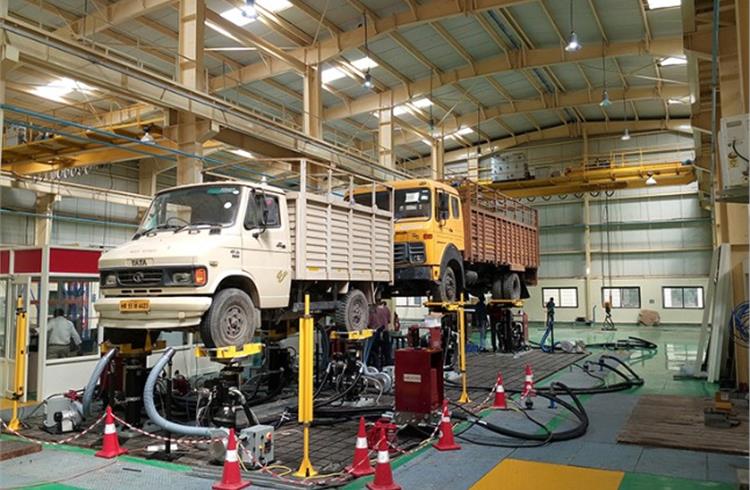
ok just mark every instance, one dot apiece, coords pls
pixel 576 409
pixel 341 395
pixel 88 393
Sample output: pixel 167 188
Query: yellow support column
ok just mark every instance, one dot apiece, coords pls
pixel 305 404
pixel 462 351
pixel 19 379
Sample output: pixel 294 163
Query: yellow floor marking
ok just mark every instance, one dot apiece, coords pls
pixel 522 475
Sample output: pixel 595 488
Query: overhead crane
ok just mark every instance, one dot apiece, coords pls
pixel 587 179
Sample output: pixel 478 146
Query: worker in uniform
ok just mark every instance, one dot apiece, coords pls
pixel 60 333
pixel 550 311
pixel 481 321
pixel 382 338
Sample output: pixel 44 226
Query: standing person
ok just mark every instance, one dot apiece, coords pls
pixel 384 318
pixel 550 311
pixel 481 321
pixel 60 332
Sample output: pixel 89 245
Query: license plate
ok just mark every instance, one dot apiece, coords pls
pixel 135 305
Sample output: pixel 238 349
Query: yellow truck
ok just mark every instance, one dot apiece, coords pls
pixel 455 238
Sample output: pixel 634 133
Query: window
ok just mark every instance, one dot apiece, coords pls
pixel 626 297
pixel 382 199
pixel 682 297
pixel 455 207
pixel 564 297
pixel 271 215
pixel 412 203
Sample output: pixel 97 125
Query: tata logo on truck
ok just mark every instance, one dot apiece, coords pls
pixel 138 262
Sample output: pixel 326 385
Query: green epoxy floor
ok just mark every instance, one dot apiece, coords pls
pixel 427 468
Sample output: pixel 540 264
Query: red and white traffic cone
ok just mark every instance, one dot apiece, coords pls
pixel 446 441
pixel 528 386
pixel 231 478
pixel 383 474
pixel 500 402
pixel 361 465
pixel 110 444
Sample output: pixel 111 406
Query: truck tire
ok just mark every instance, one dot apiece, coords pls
pixel 353 313
pixel 507 287
pixel 446 290
pixel 230 320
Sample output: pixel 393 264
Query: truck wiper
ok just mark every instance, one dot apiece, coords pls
pixel 153 228
pixel 197 223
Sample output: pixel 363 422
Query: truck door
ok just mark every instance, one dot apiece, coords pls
pixel 449 221
pixel 266 253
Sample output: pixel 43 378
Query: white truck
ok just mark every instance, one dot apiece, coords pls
pixel 223 257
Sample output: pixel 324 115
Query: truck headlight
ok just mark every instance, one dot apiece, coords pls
pixel 109 280
pixel 417 258
pixel 182 278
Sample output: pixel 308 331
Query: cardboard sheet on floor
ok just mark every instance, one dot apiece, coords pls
pixel 677 422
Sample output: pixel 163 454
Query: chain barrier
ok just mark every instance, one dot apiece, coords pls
pixel 164 438
pixel 52 443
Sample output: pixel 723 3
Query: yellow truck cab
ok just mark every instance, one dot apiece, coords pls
pixel 451 239
pixel 429 236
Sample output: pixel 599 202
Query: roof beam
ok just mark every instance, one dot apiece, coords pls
pixel 525 58
pixel 114 14
pixel 557 101
pixel 246 36
pixel 572 130
pixel 329 48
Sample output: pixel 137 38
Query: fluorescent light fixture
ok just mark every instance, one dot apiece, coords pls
pixel 400 110
pixel 426 142
pixel 331 74
pixel 242 153
pixel 61 87
pixel 676 101
pixel 626 135
pixel 651 180
pixel 685 127
pixel 673 60
pixel 464 131
pixel 573 44
pixel 364 63
pixel 605 102
pixel 662 4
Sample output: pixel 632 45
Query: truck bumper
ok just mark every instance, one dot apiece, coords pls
pixel 165 312
pixel 417 273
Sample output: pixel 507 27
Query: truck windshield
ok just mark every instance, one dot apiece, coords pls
pixel 192 206
pixel 409 203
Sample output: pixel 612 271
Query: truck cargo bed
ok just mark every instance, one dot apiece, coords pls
pixel 499 230
pixel 335 240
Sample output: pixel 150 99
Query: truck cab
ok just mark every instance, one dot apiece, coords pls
pixel 429 237
pixel 207 257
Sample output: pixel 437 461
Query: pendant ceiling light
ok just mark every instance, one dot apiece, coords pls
pixel 368 78
pixel 573 43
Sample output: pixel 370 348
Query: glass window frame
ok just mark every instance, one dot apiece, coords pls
pixel 621 288
pixel 545 296
pixel 682 289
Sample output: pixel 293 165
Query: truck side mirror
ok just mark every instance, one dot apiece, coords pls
pixel 443 208
pixel 262 210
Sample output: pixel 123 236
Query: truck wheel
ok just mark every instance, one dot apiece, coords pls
pixel 447 289
pixel 353 313
pixel 230 320
pixel 507 287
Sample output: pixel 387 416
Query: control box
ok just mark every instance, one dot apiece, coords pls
pixel 257 445
pixel 419 380
pixel 734 152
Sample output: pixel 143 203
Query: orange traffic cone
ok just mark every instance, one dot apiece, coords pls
pixel 446 441
pixel 528 384
pixel 500 401
pixel 110 444
pixel 361 465
pixel 383 474
pixel 231 479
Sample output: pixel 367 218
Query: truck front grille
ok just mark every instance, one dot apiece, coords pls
pixel 406 253
pixel 143 277
pixel 400 253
